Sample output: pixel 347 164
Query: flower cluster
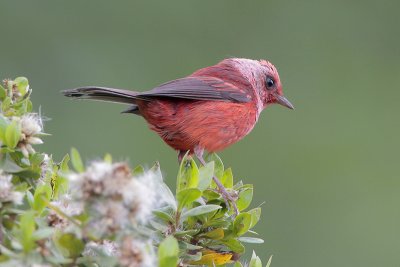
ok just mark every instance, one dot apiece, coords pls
pixel 113 197
pixel 7 190
pixel 31 127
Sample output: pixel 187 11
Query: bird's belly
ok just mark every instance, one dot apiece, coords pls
pixel 212 125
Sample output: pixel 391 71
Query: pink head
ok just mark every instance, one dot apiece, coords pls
pixel 264 78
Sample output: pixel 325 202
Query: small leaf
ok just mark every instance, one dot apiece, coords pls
pixel 218 165
pixel 7 164
pixel 3 127
pixel 3 93
pixel 206 173
pixel 71 246
pixel 188 176
pixel 269 262
pixel 201 210
pixel 42 233
pixel 76 160
pixel 21 83
pixel 12 135
pixel 138 170
pixel 108 158
pixel 227 178
pixel 5 105
pixel 186 233
pixel 245 197
pixel 237 264
pixel 163 215
pixel 187 196
pixel 215 234
pixel 168 252
pixel 41 197
pixel 255 261
pixel 251 240
pixel 27 226
pixel 234 245
pixel 255 216
pixel 213 258
pixel 64 163
pixel 59 185
pixel 242 224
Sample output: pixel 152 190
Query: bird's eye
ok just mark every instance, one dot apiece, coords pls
pixel 270 83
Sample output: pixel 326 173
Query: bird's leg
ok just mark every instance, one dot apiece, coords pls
pixel 222 190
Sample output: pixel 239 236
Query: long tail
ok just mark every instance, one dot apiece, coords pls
pixel 103 93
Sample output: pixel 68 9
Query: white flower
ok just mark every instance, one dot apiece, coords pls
pixel 7 193
pixel 146 193
pixel 116 200
pixel 68 207
pixel 31 124
pixel 105 247
pixel 137 253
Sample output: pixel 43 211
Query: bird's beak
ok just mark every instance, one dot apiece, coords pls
pixel 281 100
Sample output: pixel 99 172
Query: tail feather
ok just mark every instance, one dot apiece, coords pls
pixel 103 93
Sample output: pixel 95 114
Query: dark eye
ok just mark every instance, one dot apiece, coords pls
pixel 270 83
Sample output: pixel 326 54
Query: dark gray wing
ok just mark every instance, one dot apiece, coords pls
pixel 198 88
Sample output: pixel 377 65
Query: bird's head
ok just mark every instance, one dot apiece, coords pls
pixel 265 80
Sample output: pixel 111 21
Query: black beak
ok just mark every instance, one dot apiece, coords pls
pixel 281 100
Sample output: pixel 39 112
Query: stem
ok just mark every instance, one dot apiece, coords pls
pixel 62 214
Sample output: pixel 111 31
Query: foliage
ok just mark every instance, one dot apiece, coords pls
pixel 107 214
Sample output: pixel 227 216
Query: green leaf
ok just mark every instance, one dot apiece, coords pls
pixel 242 224
pixel 269 262
pixel 234 245
pixel 3 93
pixel 41 197
pixel 188 176
pixel 3 127
pixel 59 185
pixel 42 233
pixel 186 197
pixel 108 158
pixel 218 165
pixel 168 252
pixel 255 216
pixel 76 160
pixel 215 234
pixel 255 261
pixel 27 227
pixel 7 164
pixel 205 175
pixel 163 215
pixel 6 104
pixel 237 264
pixel 200 210
pixel 138 170
pixel 191 232
pixel 251 240
pixel 245 197
pixel 70 245
pixel 21 83
pixel 64 164
pixel 12 135
pixel 227 178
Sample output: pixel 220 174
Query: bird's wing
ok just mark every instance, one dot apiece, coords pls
pixel 198 88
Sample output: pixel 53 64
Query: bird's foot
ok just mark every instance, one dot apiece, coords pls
pixel 230 199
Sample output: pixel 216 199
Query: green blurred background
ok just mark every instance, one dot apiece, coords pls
pixel 328 172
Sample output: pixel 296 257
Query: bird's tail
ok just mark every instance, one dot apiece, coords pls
pixel 103 93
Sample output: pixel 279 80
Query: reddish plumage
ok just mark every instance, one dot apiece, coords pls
pixel 211 109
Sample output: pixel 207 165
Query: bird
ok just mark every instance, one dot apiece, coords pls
pixel 208 110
